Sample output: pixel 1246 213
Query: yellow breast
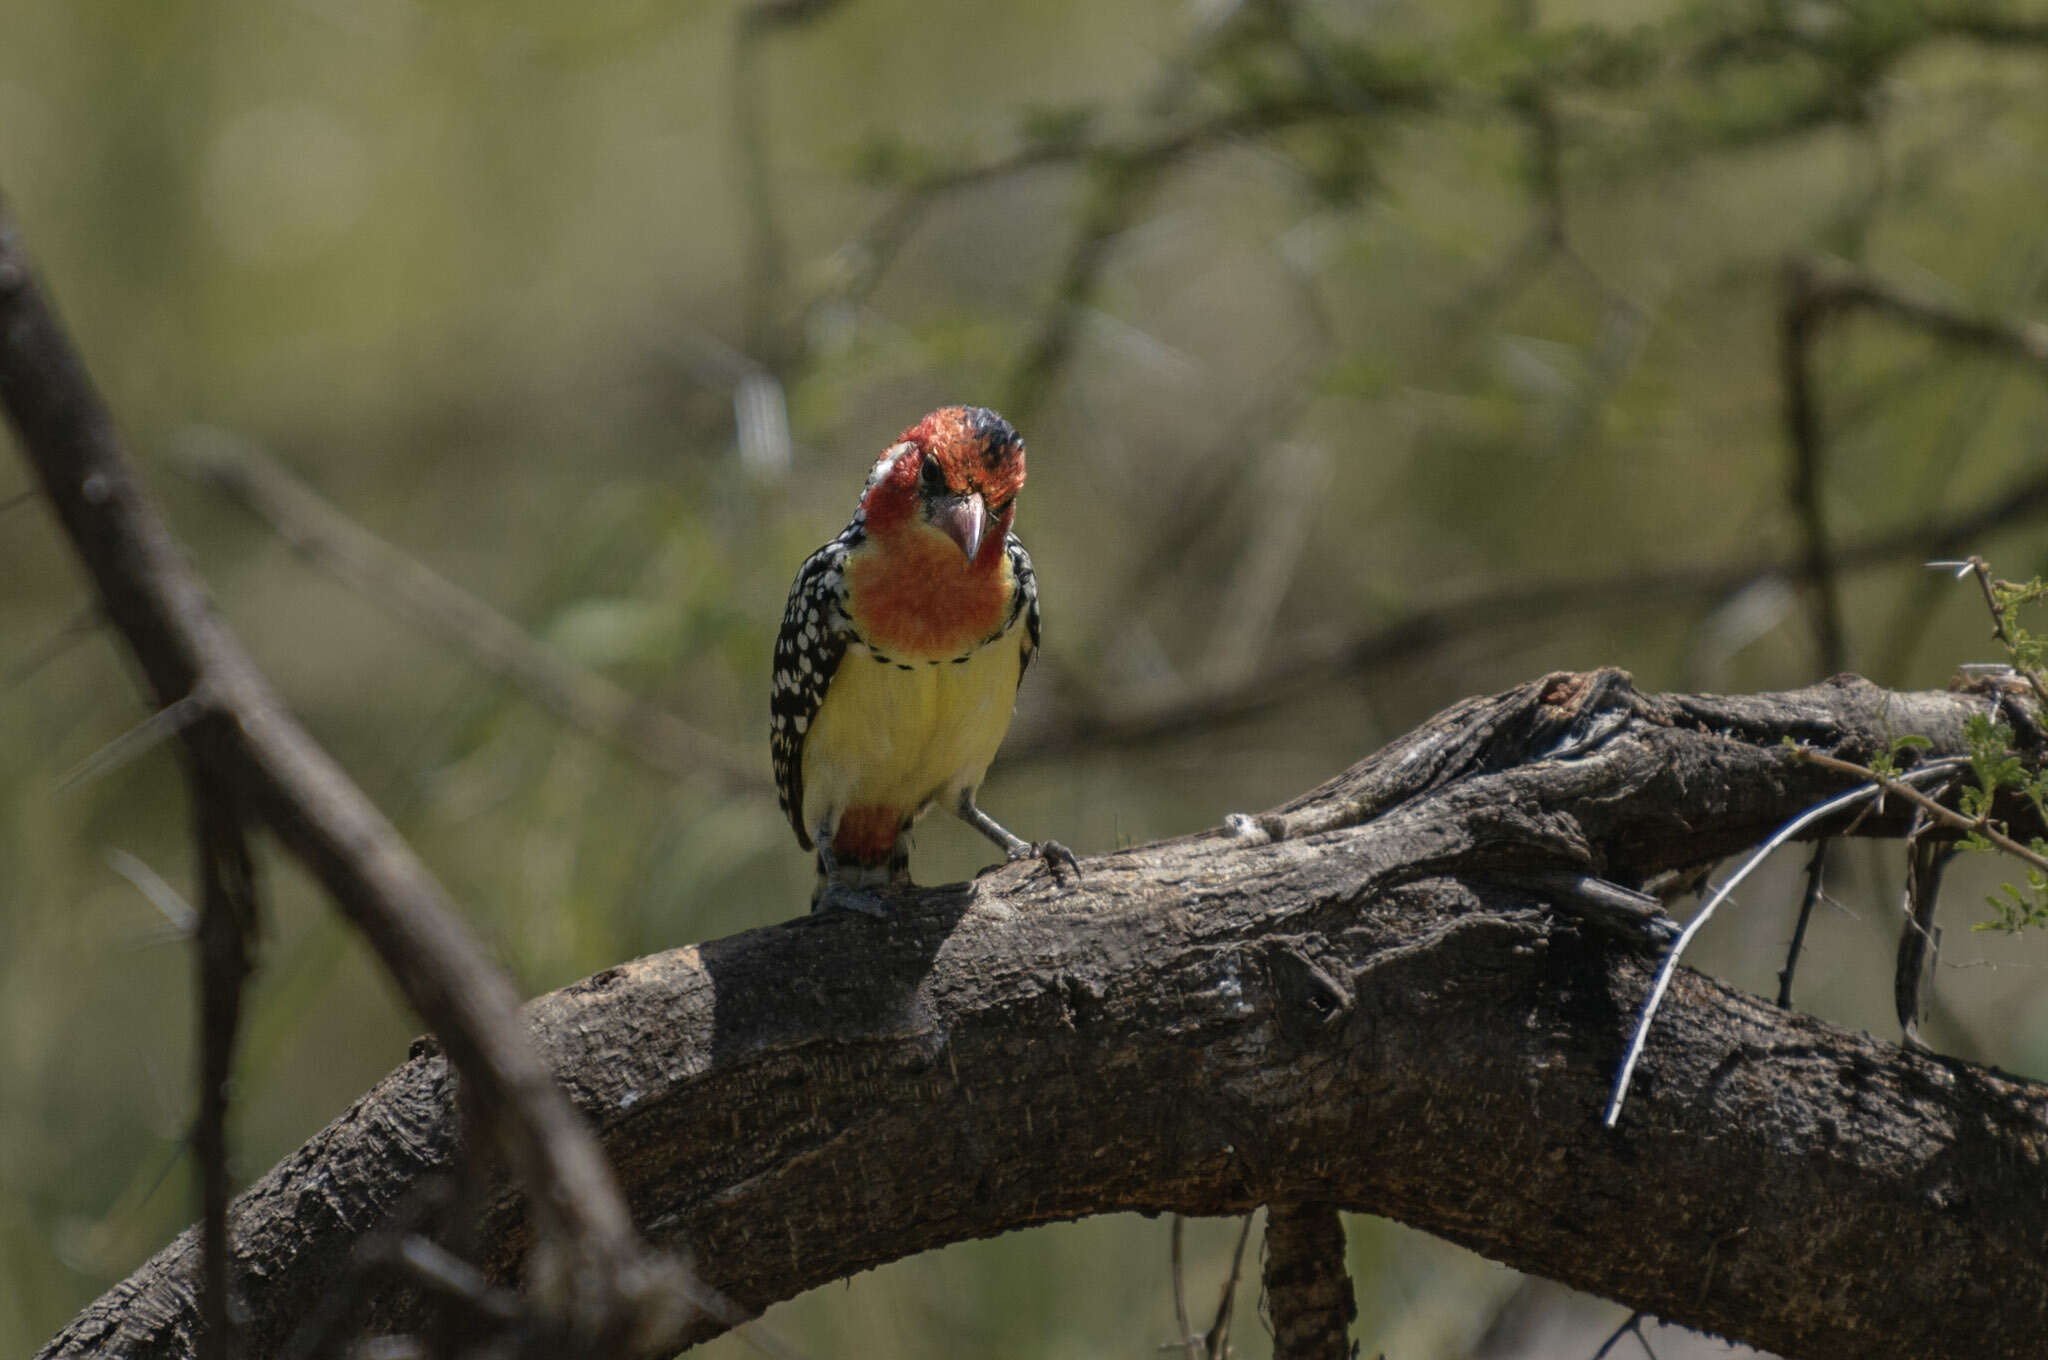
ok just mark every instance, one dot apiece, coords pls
pixel 898 736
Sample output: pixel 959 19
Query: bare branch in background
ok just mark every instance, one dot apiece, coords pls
pixel 407 587
pixel 1830 286
pixel 770 338
pixel 1802 310
pixel 1093 723
pixel 590 703
pixel 607 1288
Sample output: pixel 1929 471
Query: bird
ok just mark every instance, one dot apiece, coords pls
pixel 898 659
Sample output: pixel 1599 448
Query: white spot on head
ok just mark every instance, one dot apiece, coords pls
pixel 885 463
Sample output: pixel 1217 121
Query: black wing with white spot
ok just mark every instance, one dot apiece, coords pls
pixel 814 636
pixel 1023 599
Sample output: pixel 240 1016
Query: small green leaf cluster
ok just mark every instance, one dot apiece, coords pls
pixel 1998 769
pixel 1888 762
pixel 2029 651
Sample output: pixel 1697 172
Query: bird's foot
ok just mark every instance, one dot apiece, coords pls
pixel 839 896
pixel 1053 853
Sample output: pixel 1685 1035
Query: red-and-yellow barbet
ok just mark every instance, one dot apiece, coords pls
pixel 897 666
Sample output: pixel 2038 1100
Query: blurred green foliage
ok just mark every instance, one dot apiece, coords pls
pixel 1312 315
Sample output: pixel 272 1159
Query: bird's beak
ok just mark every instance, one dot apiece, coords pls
pixel 965 520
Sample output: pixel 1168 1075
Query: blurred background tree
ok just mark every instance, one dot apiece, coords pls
pixel 1370 355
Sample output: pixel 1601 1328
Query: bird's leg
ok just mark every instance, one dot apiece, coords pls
pixel 834 892
pixel 1015 847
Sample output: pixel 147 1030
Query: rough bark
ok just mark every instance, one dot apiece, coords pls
pixel 1308 1292
pixel 1404 993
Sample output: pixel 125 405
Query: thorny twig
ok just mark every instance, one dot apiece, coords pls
pixel 1981 569
pixel 1889 784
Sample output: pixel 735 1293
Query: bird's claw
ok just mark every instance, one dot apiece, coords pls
pixel 842 897
pixel 1053 853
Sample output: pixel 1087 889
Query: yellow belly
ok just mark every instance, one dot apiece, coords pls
pixel 899 739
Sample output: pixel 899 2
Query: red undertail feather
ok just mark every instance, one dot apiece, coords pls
pixel 867 834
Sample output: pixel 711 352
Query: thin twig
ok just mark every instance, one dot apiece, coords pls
pixel 1189 1342
pixel 407 587
pixel 1693 927
pixel 1831 285
pixel 1816 870
pixel 145 736
pixel 160 894
pixel 1981 826
pixel 1981 569
pixel 1217 1340
pixel 1632 1325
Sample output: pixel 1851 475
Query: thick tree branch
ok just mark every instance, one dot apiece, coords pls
pixel 254 752
pixel 1381 997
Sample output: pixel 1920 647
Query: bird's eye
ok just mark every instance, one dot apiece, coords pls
pixel 998 511
pixel 933 479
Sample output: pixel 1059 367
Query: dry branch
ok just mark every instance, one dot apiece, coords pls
pixel 255 754
pixel 1381 997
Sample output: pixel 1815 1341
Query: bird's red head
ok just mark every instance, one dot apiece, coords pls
pixel 958 470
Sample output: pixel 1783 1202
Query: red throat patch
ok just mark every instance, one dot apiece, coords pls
pixel 914 596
